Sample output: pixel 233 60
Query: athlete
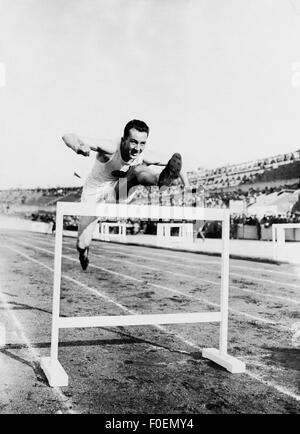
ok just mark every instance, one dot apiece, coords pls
pixel 120 165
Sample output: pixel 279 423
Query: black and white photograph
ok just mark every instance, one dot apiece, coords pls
pixel 150 210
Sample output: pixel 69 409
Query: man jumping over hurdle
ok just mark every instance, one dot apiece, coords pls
pixel 120 166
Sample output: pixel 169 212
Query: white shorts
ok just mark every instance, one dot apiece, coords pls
pixel 99 193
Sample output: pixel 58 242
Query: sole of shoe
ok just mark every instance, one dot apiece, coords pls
pixel 83 257
pixel 171 171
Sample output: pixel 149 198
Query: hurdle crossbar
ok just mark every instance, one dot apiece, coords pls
pixel 52 368
pixel 143 319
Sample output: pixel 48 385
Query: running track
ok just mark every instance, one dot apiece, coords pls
pixel 264 304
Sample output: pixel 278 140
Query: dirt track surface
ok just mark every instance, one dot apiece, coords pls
pixel 145 369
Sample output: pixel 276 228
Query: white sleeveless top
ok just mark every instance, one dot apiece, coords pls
pixel 101 172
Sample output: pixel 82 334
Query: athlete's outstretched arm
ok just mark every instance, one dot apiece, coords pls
pixel 83 145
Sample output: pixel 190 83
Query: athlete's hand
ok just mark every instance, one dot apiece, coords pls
pixel 75 143
pixel 82 148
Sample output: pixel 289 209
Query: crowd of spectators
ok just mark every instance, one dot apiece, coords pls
pixel 45 196
pixel 232 176
pixel 266 221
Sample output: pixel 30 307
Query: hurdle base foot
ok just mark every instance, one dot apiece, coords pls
pixel 55 373
pixel 232 364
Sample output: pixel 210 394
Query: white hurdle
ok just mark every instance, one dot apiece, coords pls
pixel 165 238
pixel 280 251
pixel 105 235
pixel 51 366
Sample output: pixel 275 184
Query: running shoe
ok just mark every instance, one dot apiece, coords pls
pixel 83 257
pixel 171 171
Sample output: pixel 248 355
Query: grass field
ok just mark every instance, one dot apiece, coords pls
pixel 145 369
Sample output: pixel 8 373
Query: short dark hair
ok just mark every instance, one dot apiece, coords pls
pixel 138 125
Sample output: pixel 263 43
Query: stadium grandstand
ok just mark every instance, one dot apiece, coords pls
pixel 263 173
pixel 264 190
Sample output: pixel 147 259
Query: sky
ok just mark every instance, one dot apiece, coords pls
pixel 217 81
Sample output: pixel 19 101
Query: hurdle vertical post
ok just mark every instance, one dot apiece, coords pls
pixel 51 365
pixel 224 284
pixel 56 289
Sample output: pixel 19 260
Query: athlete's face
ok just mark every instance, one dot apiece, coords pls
pixel 134 144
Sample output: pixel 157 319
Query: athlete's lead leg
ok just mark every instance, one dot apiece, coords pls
pixel 86 229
